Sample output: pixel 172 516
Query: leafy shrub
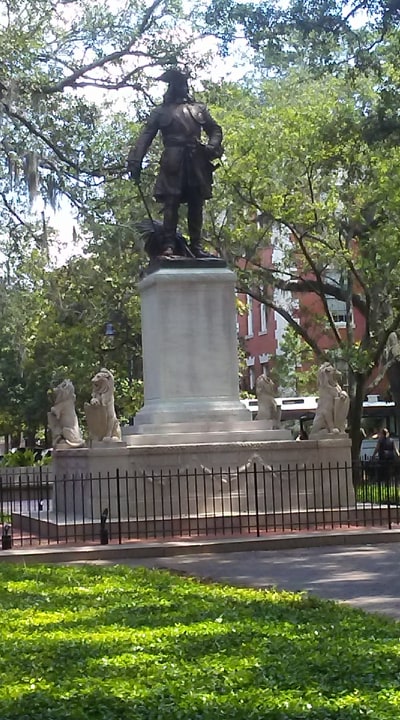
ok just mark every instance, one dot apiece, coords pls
pixel 19 458
pixel 26 457
pixel 46 460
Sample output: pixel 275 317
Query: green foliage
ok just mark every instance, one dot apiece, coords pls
pixel 19 458
pixel 294 369
pixel 314 155
pixel 58 57
pixel 327 36
pixel 326 199
pixel 52 327
pixel 130 398
pixel 123 644
pixel 377 491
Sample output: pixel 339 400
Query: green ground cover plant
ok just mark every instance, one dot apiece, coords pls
pixel 92 643
pixel 378 493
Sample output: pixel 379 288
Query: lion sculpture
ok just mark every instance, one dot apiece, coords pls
pixel 333 404
pixel 267 406
pixel 100 412
pixel 62 418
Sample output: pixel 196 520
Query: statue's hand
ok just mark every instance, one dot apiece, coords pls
pixel 134 172
pixel 214 152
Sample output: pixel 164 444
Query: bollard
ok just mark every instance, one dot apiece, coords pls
pixel 103 529
pixel 6 539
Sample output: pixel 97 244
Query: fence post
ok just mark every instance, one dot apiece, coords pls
pixel 388 476
pixel 256 499
pixel 6 538
pixel 103 528
pixel 119 506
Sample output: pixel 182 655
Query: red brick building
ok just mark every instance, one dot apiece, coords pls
pixel 261 329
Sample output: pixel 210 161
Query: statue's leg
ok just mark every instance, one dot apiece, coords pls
pixel 195 223
pixel 171 208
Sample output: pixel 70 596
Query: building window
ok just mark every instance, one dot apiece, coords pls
pixel 263 318
pixel 264 362
pixel 337 309
pixel 250 331
pixel 252 378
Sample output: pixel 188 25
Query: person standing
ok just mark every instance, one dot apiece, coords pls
pixel 386 451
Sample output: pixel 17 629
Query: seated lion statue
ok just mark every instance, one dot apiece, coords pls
pixel 100 412
pixel 267 406
pixel 333 403
pixel 62 418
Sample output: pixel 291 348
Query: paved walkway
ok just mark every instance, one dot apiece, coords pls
pixel 366 576
pixel 363 571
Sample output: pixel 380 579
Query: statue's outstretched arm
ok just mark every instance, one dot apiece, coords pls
pixel 139 150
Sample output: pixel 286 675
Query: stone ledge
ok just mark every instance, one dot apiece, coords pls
pixel 117 553
pixel 188 446
pixel 183 263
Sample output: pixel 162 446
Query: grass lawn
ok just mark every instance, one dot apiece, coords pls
pixel 88 643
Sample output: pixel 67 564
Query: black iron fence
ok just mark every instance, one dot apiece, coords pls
pixel 38 508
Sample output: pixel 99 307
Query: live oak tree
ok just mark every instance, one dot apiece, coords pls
pixel 53 325
pixel 68 69
pixel 351 145
pixel 324 35
pixel 60 58
pixel 302 173
pixel 309 157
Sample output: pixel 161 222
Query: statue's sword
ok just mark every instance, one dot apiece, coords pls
pixel 149 215
pixel 146 205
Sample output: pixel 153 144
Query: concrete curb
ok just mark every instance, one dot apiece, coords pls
pixel 168 548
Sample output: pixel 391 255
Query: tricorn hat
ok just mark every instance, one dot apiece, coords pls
pixel 173 76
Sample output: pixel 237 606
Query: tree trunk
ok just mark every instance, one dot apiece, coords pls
pixel 30 436
pixel 393 375
pixel 355 415
pixel 15 439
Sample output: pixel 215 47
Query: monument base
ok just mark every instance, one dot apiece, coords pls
pixel 189 341
pixel 187 480
pixel 209 432
pixel 188 410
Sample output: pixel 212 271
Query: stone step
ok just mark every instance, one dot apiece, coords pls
pixel 207 438
pixel 202 426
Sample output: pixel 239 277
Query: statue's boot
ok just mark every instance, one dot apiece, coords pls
pixel 199 253
pixel 167 246
pixel 167 251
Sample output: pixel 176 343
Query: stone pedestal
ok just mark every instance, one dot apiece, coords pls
pixel 189 341
pixel 194 452
pixel 148 483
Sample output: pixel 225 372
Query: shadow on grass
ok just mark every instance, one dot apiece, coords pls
pixel 156 645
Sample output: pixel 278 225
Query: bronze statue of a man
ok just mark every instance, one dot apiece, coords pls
pixel 186 168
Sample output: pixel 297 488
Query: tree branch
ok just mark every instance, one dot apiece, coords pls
pixel 21 222
pixel 308 285
pixel 95 172
pixel 70 81
pixel 319 283
pixel 288 317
